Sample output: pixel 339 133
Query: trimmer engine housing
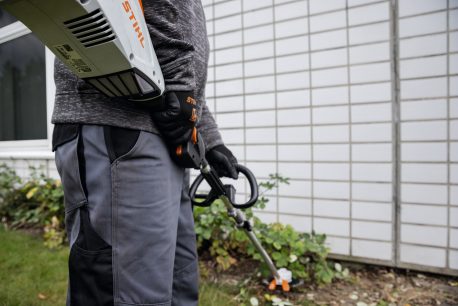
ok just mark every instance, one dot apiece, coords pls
pixel 105 42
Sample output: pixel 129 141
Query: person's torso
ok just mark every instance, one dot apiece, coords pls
pixel 178 31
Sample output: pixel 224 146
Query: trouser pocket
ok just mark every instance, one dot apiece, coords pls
pixel 90 267
pixel 119 141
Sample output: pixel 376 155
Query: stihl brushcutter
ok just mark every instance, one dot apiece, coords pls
pixel 191 155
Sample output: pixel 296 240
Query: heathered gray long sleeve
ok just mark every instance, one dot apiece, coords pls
pixel 178 32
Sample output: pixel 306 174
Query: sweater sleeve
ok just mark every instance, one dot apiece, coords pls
pixel 174 52
pixel 177 30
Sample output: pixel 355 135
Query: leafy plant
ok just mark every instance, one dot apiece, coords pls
pixel 9 183
pixel 216 231
pixel 37 202
pixel 54 235
pixel 304 254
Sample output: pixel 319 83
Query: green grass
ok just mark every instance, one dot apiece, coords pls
pixel 212 295
pixel 32 275
pixel 28 269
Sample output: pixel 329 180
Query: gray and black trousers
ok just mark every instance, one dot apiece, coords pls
pixel 128 217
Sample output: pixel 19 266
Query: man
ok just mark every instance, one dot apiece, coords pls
pixel 128 215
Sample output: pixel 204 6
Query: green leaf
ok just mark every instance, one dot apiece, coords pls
pixel 207 234
pixel 276 255
pixel 31 193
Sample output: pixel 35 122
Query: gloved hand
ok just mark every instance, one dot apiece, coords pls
pixel 177 121
pixel 223 161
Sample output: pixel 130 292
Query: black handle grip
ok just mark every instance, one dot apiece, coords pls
pixel 212 196
pixel 192 194
pixel 254 192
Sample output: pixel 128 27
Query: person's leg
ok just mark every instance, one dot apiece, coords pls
pixel 186 272
pixel 90 262
pixel 123 223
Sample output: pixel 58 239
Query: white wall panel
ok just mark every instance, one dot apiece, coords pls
pixel 253 18
pixel 295 170
pixel 328 40
pixel 317 92
pixel 327 21
pixel 319 6
pixel 372 172
pixel 293 98
pixel 330 95
pixel 372 249
pixel 290 10
pixel 424 24
pixel 338 245
pixel 370 73
pixel 337 57
pixel 257 51
pixel 303 224
pixel 372 211
pixel 369 53
pixel 424 109
pixel 423 45
pixel 291 45
pixel 331 133
pixel 413 7
pixel 426 165
pixel 368 14
pixel 331 208
pixel 369 33
pixel 294 206
pixel 260 101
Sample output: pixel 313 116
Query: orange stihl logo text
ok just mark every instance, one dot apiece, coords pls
pixel 135 23
pixel 190 100
pixel 193 115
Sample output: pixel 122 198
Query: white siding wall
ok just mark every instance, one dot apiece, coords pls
pixel 428 132
pixel 24 167
pixel 314 89
pixel 356 101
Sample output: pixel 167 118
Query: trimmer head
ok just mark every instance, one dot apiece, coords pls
pixel 284 286
pixel 285 282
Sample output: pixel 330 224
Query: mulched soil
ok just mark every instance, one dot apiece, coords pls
pixel 367 285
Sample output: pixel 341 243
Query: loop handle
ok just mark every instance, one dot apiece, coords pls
pixel 212 195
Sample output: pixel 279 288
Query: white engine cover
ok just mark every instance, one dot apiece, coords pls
pixel 105 42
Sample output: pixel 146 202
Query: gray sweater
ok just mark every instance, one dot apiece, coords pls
pixel 178 32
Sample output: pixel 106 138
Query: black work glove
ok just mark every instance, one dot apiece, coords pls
pixel 179 118
pixel 223 161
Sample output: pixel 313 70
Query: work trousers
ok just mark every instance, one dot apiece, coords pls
pixel 128 218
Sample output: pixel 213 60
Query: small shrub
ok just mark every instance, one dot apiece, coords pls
pixel 304 254
pixel 54 234
pixel 10 182
pixel 216 232
pixel 35 203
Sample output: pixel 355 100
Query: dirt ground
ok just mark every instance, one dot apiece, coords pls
pixel 367 285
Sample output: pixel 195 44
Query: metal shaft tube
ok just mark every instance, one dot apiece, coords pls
pixel 240 219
